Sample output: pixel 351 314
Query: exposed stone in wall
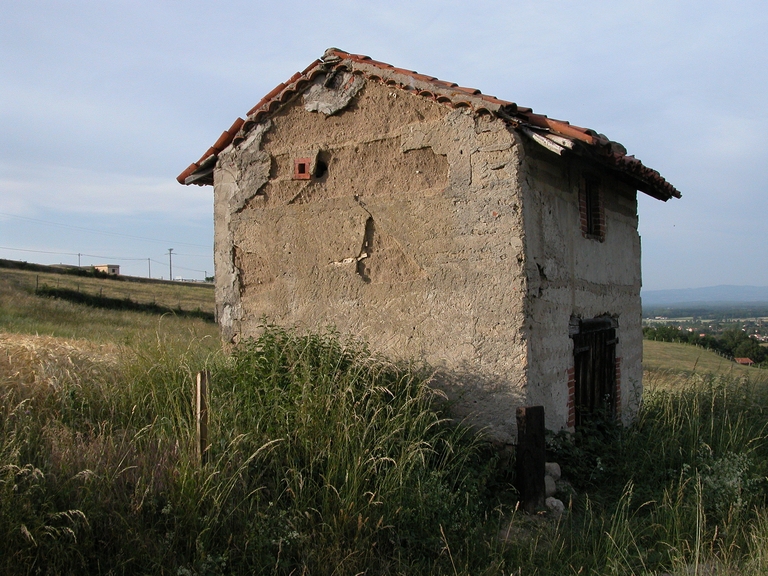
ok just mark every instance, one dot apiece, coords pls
pixel 332 93
pixel 252 166
pixel 240 174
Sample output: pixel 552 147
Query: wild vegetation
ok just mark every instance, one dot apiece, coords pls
pixel 327 460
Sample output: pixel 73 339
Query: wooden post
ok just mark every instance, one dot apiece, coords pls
pixel 531 457
pixel 201 414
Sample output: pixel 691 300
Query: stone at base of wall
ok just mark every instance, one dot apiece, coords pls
pixel 549 485
pixel 555 506
pixel 552 469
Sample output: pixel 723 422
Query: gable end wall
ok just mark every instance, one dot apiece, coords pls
pixel 409 235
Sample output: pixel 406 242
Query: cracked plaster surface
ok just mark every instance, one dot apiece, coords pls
pixel 414 240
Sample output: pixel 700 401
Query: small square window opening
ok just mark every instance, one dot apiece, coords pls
pixel 301 168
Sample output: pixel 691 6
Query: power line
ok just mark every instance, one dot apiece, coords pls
pixel 190 269
pixel 70 253
pixel 110 257
pixel 177 266
pixel 95 231
pixel 95 256
pixel 39 251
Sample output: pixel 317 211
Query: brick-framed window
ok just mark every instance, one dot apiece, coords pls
pixel 591 209
pixel 571 373
pixel 301 168
pixel 618 388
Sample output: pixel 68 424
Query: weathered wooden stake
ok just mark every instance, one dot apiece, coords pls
pixel 531 457
pixel 201 414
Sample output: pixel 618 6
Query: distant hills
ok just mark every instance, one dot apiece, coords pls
pixel 720 295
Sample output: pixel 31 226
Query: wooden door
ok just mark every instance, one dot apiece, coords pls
pixel 594 350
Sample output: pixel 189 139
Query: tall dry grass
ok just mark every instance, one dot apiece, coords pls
pixel 326 460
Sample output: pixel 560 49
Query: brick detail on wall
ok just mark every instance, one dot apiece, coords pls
pixel 591 210
pixel 571 372
pixel 301 167
pixel 618 387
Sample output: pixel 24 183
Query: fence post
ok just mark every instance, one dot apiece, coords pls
pixel 531 457
pixel 201 415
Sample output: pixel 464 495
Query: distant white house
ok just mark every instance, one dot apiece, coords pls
pixel 108 268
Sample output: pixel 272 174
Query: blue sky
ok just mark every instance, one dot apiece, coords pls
pixel 103 103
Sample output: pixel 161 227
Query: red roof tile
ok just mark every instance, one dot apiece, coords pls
pixel 600 148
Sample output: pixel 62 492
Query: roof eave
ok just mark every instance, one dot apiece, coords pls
pixel 556 135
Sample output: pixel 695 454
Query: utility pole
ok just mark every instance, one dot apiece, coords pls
pixel 149 268
pixel 78 259
pixel 170 263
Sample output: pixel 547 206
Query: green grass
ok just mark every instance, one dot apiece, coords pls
pixel 181 295
pixel 323 460
pixel 685 358
pixel 327 460
pixel 96 301
pixel 21 311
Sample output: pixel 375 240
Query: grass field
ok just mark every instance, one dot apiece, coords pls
pixel 185 296
pixel 326 460
pixel 676 357
pixel 21 311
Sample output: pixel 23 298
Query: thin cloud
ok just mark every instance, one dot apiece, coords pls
pixel 79 191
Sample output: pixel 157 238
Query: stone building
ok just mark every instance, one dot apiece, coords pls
pixel 440 223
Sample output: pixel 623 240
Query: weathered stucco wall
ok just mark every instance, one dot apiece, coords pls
pixel 570 275
pixel 409 234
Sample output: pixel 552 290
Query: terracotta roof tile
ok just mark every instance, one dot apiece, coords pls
pixel 473 91
pixel 311 67
pixel 447 93
pixel 222 142
pixel 191 168
pixel 443 83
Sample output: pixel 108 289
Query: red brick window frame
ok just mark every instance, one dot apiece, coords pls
pixel 571 373
pixel 591 210
pixel 301 168
pixel 618 387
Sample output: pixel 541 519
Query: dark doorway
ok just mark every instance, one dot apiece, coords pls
pixel 594 354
